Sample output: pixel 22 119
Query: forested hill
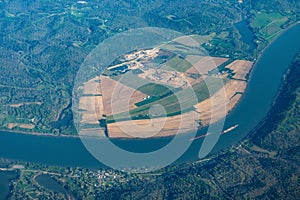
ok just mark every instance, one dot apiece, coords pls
pixel 43 44
pixel 266 165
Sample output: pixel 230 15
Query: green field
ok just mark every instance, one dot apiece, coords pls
pixel 177 102
pixel 153 89
pixel 267 25
pixel 177 64
pixel 147 87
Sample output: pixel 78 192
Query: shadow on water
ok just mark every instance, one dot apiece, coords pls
pixel 5 179
pixel 65 118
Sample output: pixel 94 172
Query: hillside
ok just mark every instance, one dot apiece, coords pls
pixel 42 46
pixel 265 165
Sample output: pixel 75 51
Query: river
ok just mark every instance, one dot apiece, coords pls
pixel 257 100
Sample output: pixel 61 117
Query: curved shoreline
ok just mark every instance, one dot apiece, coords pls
pixel 256 62
pixel 278 98
pixel 64 151
pixel 259 55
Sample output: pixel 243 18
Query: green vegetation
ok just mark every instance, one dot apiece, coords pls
pixel 176 102
pixel 267 25
pixel 263 19
pixel 284 116
pixel 263 166
pixel 41 52
pixel 43 46
pixel 153 89
pixel 178 64
pixel 64 183
pixel 147 87
pixel 147 101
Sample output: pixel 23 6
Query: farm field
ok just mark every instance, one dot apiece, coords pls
pixel 267 25
pixel 136 97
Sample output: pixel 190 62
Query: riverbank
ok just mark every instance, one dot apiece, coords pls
pixel 38 134
pixel 252 109
pixel 76 136
pixel 281 102
pixel 257 60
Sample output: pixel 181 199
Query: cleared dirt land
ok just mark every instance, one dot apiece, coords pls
pixel 222 102
pixel 120 103
pixel 204 64
pixel 25 126
pixel 241 68
pixel 157 127
pixel 91 103
pixel 121 96
pixel 92 87
pixel 218 105
pixel 207 111
pixel 173 79
pixel 225 99
pixel 92 109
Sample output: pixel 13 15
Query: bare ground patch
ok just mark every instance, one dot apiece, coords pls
pixel 203 64
pixel 93 132
pixel 25 126
pixel 143 128
pixel 225 99
pixel 27 103
pixel 91 105
pixel 116 94
pixel 92 87
pixel 123 97
pixel 92 109
pixel 241 68
pixel 171 78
